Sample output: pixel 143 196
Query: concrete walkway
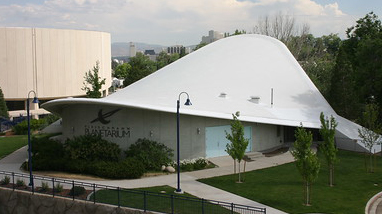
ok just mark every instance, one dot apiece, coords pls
pixel 188 179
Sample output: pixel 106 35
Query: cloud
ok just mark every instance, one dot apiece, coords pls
pixel 168 21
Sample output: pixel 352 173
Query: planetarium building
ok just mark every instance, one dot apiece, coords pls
pixel 253 74
pixel 51 62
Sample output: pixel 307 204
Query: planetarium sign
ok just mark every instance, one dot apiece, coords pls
pixel 106 130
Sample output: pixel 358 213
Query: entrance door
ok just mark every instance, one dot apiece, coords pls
pixel 216 141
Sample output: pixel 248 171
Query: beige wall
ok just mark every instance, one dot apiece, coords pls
pixel 158 126
pixel 51 62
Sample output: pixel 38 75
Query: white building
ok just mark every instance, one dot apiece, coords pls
pixel 133 50
pixel 253 74
pixel 212 37
pixel 52 62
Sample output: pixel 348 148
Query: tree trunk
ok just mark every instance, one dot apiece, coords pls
pixel 307 193
pixel 245 162
pixel 371 163
pixel 234 166
pixel 331 175
pixel 239 172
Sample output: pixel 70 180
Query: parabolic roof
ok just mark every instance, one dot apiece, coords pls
pixel 254 74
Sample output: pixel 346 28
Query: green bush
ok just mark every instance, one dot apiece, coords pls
pixel 128 168
pixel 76 191
pixel 193 164
pixel 22 128
pixel 152 154
pixel 92 148
pixel 20 183
pixel 44 187
pixel 58 188
pixel 5 180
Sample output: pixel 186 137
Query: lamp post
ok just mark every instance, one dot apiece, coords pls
pixel 35 100
pixel 187 103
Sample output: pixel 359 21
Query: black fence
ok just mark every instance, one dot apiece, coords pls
pixel 121 197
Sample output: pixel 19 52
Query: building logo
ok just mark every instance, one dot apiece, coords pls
pixel 102 117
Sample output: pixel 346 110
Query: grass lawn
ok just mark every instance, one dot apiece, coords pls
pixel 12 143
pixel 156 203
pixel 281 186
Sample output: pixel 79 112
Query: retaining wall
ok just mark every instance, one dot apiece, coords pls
pixel 21 202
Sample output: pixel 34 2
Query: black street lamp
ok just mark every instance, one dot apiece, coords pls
pixel 35 100
pixel 187 103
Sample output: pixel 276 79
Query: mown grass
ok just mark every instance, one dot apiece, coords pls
pixel 281 187
pixel 157 199
pixel 10 144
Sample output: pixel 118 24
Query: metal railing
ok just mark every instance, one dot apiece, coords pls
pixel 122 197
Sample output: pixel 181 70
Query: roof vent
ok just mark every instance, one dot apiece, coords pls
pixel 255 99
pixel 223 95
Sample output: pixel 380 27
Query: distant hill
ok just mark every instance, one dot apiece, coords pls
pixel 123 48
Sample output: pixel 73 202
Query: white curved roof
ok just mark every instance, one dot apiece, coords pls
pixel 242 67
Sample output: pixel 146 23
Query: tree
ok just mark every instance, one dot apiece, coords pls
pixel 95 81
pixel 370 132
pixel 327 131
pixel 164 59
pixel 3 106
pixel 141 66
pixel 306 161
pixel 121 71
pixel 238 145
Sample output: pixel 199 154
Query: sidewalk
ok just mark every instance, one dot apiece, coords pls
pixel 188 179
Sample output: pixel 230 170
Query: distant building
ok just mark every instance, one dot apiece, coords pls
pixel 178 49
pixel 133 50
pixel 212 37
pixel 151 54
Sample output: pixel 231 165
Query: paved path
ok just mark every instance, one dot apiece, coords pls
pixel 188 179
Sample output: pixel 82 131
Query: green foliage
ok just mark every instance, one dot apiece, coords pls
pixel 328 131
pixel 3 106
pixel 370 132
pixel 238 145
pixel 164 59
pixel 5 180
pixel 20 183
pixel 22 128
pixel 122 71
pixel 95 81
pixel 58 188
pixel 306 161
pixel 193 164
pixel 202 44
pixel 151 153
pixel 357 76
pixel 44 186
pixel 129 168
pixel 92 148
pixel 77 191
pixel 141 66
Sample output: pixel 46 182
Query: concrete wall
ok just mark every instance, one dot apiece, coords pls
pixel 127 125
pixel 26 203
pixel 51 62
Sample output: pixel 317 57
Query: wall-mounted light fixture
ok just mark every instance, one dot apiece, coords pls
pixel 198 130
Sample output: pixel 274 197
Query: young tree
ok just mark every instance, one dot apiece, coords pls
pixel 121 71
pixel 327 131
pixel 306 160
pixel 238 145
pixel 369 133
pixel 3 106
pixel 94 80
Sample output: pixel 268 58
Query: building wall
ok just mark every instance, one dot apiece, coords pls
pixel 127 125
pixel 51 62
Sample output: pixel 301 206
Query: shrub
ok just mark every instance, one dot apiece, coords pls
pixel 129 169
pixel 58 188
pixel 44 186
pixel 22 128
pixel 20 183
pixel 5 180
pixel 76 191
pixel 152 154
pixel 193 164
pixel 92 148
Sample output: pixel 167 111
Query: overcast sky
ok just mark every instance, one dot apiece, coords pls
pixel 183 22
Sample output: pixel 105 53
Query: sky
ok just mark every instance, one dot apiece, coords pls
pixel 181 22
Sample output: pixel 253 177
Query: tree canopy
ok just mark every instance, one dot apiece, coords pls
pixel 93 79
pixel 3 106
